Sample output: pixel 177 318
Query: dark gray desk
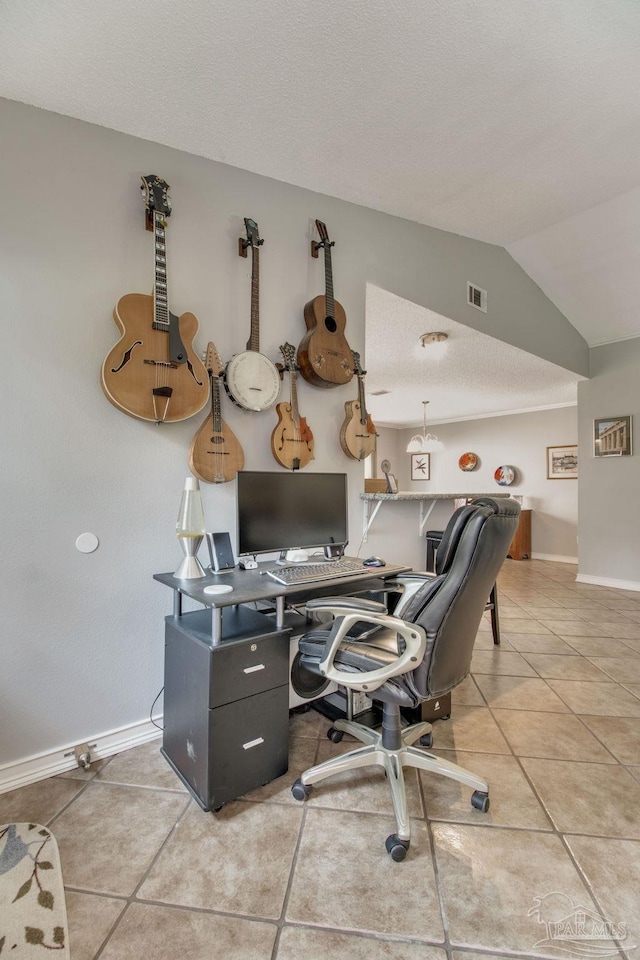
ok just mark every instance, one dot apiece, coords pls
pixel 226 692
pixel 251 586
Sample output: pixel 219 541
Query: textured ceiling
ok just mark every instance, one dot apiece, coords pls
pixel 497 119
pixel 477 376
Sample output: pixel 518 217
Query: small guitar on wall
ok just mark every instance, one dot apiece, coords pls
pixel 292 439
pixel 251 379
pixel 215 455
pixel 358 433
pixel 153 373
pixel 324 356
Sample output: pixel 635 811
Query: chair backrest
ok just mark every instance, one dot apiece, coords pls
pixel 476 542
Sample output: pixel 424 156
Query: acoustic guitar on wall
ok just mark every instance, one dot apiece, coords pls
pixel 292 439
pixel 358 433
pixel 215 455
pixel 153 373
pixel 251 379
pixel 324 356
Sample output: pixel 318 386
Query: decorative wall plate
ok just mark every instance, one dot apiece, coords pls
pixel 505 475
pixel 468 461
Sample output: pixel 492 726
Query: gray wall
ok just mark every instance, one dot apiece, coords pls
pixel 520 440
pixel 83 634
pixel 609 514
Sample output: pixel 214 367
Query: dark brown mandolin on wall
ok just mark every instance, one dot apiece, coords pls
pixel 215 455
pixel 292 439
pixel 358 433
pixel 324 356
pixel 153 373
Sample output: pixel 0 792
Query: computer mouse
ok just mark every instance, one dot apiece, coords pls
pixel 374 562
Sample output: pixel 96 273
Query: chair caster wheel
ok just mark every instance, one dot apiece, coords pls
pixel 426 740
pixel 335 735
pixel 396 848
pixel 480 801
pixel 299 790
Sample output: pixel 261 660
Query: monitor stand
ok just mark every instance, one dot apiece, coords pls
pixel 294 555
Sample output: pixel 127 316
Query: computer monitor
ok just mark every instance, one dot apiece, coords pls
pixel 285 511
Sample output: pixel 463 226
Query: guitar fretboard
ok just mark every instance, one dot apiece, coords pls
pixel 295 414
pixel 363 409
pixel 254 339
pixel 160 295
pixel 216 410
pixel 328 281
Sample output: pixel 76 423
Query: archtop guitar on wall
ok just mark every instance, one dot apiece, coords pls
pixel 324 356
pixel 153 373
pixel 292 439
pixel 358 433
pixel 251 379
pixel 215 455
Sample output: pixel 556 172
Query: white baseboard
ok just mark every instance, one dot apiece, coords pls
pixel 20 773
pixel 608 582
pixel 554 557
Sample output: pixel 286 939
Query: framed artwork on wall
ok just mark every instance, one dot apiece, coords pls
pixel 420 466
pixel 612 437
pixel 562 462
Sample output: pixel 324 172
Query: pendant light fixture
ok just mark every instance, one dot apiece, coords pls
pixel 427 442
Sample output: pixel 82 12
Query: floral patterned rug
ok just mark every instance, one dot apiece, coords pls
pixel 33 914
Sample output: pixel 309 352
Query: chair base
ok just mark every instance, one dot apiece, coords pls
pixel 392 761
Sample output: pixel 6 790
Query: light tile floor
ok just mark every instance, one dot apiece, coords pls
pixel 551 718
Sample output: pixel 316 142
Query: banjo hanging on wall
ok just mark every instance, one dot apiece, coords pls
pixel 251 379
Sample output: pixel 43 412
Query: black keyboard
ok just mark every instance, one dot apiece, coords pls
pixel 314 572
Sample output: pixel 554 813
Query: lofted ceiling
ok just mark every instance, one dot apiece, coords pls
pixel 473 376
pixel 512 122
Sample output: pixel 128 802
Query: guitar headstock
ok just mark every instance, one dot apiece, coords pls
pixel 324 239
pixel 253 238
pixel 288 351
pixel 212 360
pixel 357 369
pixel 156 195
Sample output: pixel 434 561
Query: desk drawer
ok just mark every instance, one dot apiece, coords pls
pixel 241 670
pixel 248 744
pixel 215 674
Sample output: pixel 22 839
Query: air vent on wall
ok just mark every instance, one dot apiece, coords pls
pixel 476 297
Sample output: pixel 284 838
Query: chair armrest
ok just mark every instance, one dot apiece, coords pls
pixel 337 605
pixel 415 645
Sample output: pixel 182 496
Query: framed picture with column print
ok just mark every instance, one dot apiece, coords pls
pixel 612 437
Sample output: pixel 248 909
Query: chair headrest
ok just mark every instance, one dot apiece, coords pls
pixel 451 537
pixel 505 506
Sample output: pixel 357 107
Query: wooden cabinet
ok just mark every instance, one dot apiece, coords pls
pixel 520 548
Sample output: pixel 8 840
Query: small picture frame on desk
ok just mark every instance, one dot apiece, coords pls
pixel 392 483
pixel 420 466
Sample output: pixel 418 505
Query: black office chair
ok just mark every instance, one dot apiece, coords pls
pixel 422 651
pixel 434 542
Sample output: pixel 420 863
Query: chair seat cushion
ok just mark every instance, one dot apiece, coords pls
pixel 353 656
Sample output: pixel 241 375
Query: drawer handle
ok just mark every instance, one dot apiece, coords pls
pixel 252 743
pixel 258 666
